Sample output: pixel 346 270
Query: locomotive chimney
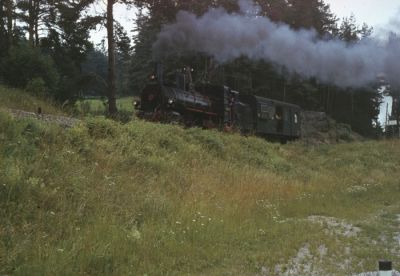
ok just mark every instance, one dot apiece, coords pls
pixel 160 72
pixel 188 77
pixel 188 72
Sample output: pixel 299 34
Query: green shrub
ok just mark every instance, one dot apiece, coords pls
pixel 84 107
pixel 36 87
pixel 210 140
pixel 25 64
pixel 102 128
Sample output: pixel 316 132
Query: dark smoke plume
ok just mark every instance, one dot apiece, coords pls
pixel 226 36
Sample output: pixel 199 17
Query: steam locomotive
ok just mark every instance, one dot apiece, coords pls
pixel 215 106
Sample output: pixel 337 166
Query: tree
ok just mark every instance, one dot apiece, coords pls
pixel 7 17
pixel 276 10
pixel 358 107
pixel 33 13
pixel 25 64
pixel 3 31
pixel 123 58
pixel 112 89
pixel 95 68
pixel 112 99
pixel 351 32
pixel 311 14
pixel 67 41
pixel 9 11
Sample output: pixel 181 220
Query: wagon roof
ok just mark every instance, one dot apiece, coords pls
pixel 263 100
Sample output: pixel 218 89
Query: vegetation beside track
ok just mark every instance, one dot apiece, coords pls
pixel 144 198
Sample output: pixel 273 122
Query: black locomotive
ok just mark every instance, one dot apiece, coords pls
pixel 216 106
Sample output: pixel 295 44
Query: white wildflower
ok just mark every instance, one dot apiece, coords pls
pixel 134 234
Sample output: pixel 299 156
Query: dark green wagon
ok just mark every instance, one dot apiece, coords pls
pixel 267 117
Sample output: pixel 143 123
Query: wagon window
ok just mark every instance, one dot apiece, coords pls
pixel 266 112
pixel 296 118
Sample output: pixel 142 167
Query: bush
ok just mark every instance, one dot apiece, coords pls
pixel 101 128
pixel 36 87
pixel 27 65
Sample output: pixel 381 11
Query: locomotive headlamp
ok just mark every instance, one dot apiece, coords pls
pixel 136 104
pixel 170 101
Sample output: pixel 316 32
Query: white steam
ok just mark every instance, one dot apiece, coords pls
pixel 226 37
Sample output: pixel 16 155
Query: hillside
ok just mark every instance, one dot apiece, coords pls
pixel 16 99
pixel 103 198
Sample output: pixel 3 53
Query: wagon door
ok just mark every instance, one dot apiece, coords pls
pixel 280 118
pixel 296 123
pixel 293 123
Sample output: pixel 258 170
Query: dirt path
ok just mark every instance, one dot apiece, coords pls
pixel 60 120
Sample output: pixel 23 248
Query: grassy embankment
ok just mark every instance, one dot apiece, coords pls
pixel 143 198
pixel 15 99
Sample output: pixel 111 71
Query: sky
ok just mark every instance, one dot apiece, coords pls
pixel 373 12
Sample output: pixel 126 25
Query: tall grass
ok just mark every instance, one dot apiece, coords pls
pixel 17 99
pixel 11 98
pixel 99 107
pixel 142 198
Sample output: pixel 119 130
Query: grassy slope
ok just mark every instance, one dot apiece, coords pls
pixel 17 99
pixel 140 198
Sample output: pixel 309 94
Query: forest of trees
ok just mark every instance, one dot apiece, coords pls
pixel 45 48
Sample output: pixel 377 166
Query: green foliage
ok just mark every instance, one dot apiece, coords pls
pixel 95 67
pixel 123 49
pixel 101 129
pixel 349 31
pixel 25 64
pixel 36 87
pixel 311 14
